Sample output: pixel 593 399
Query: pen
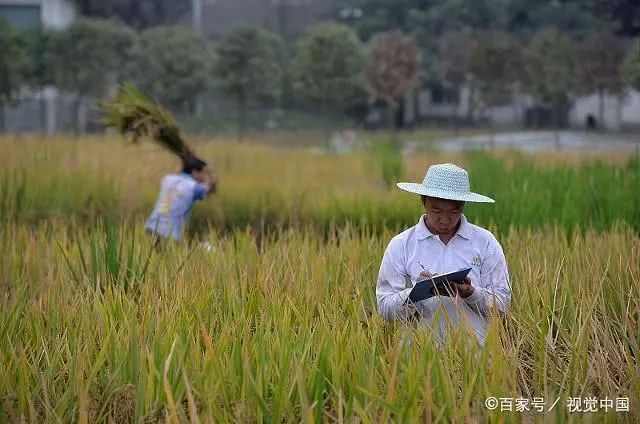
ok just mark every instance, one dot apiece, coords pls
pixel 423 267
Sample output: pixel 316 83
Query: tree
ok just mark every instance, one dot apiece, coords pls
pixel 39 63
pixel 623 14
pixel 86 59
pixel 433 18
pixel 12 61
pixel 247 67
pixel 466 16
pixel 328 66
pixel 136 13
pixel 601 57
pixel 370 17
pixel 424 20
pixel 550 64
pixel 452 68
pixel 39 59
pixel 525 17
pixel 171 64
pixel 495 64
pixel 392 69
pixel 631 66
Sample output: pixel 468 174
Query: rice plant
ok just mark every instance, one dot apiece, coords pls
pixel 287 331
pixel 279 322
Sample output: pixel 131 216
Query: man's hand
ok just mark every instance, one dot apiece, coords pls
pixel 212 182
pixel 441 290
pixel 464 288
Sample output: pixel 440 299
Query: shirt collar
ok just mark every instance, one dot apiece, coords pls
pixel 464 231
pixel 422 232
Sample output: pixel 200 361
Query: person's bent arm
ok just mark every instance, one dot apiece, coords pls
pixel 200 191
pixel 391 290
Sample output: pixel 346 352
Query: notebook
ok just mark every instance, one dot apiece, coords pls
pixel 430 286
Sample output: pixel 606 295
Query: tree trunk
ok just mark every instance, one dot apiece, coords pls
pixel 556 124
pixel 43 112
pixel 392 111
pixel 492 134
pixel 242 115
pixel 470 108
pixel 601 107
pixel 518 117
pixel 619 112
pixel 400 115
pixel 454 118
pixel 3 127
pixel 326 130
pixel 78 115
pixel 417 112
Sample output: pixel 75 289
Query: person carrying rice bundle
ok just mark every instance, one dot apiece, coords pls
pixel 132 114
pixel 178 193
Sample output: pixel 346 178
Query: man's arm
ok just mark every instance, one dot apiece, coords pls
pixel 205 188
pixel 493 291
pixel 200 191
pixel 391 290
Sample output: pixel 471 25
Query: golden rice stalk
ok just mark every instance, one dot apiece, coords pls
pixel 134 115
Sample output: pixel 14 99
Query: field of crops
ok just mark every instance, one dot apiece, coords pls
pixel 279 322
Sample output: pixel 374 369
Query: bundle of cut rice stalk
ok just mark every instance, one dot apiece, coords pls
pixel 134 115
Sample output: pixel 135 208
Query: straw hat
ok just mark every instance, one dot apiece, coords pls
pixel 446 181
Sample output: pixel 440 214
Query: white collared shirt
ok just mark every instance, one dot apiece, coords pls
pixel 417 250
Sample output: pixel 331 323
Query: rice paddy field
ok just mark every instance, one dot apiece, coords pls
pixel 278 322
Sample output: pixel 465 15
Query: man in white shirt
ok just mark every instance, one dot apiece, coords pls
pixel 443 241
pixel 178 193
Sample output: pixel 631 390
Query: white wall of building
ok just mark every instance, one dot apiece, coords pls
pixel 57 14
pixel 618 111
pixel 630 111
pixel 54 14
pixel 511 114
pixel 586 106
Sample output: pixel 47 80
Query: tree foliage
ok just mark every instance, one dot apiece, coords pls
pixel 172 64
pixel 12 63
pixel 136 13
pixel 454 55
pixel 550 69
pixel 623 15
pixel 87 57
pixel 495 64
pixel 601 55
pixel 39 58
pixel 248 67
pixel 392 68
pixel 631 67
pixel 328 65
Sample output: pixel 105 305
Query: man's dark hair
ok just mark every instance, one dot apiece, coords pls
pixel 193 164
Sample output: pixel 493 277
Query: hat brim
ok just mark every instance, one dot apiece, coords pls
pixel 442 194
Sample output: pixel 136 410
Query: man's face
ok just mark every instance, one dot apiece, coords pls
pixel 442 215
pixel 199 176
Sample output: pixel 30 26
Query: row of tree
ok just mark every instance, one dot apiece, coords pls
pixel 430 18
pixel 329 66
pixel 176 66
